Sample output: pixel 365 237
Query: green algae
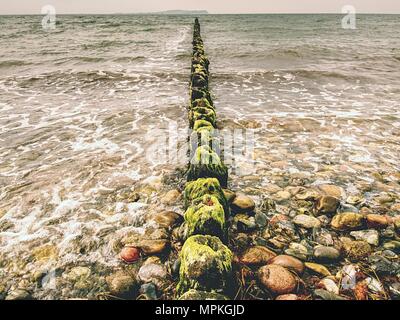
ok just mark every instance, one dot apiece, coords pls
pixel 206 264
pixel 200 71
pixel 206 216
pixel 202 124
pixel 202 103
pixel 202 60
pixel 200 113
pixel 207 164
pixel 204 137
pixel 197 189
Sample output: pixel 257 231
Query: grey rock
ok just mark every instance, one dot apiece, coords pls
pixel 298 250
pixel 370 236
pixel 153 273
pixel 261 219
pixel 382 265
pixel 122 285
pixel 326 254
pixel 148 291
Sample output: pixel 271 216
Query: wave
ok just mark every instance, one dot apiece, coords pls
pixel 93 76
pixel 185 56
pixel 13 63
pixel 294 74
pixel 129 59
pixel 279 53
pixel 104 44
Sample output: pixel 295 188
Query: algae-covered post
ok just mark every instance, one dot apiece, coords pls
pixel 206 263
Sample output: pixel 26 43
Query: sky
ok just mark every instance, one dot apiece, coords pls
pixel 213 6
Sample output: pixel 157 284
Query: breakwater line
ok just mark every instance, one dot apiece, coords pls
pixel 206 261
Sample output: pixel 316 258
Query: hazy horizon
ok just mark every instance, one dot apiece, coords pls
pixel 213 7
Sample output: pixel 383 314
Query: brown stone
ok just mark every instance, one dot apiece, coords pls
pixel 347 221
pixel 229 195
pixel 288 262
pixel 257 256
pixel 243 204
pixel 171 197
pixel 278 218
pixel 277 279
pixel 332 190
pixel 150 247
pixel 318 268
pixel 377 221
pixel 167 219
pixel 130 254
pixel 327 205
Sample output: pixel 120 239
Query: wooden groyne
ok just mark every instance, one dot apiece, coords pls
pixel 206 262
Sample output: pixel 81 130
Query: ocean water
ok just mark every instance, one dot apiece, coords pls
pixel 81 107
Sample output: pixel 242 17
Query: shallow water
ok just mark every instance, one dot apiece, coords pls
pixel 79 107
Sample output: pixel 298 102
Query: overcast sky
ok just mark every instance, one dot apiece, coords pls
pixel 213 6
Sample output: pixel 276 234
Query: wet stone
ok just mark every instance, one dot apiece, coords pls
pixel 355 200
pixel 348 208
pixel 392 245
pixel 167 219
pixel 229 195
pixel 243 204
pixel 306 221
pixel 148 291
pixel 153 272
pixel 277 279
pixel 122 285
pixel 324 238
pixel 281 196
pixel 298 250
pixel 370 236
pixel 347 221
pixel 377 221
pixel 318 268
pixel 171 197
pixel 288 262
pixel 329 285
pixel 261 219
pixel 327 205
pixel 244 223
pixel 357 250
pixel 326 254
pixel 332 190
pixel 130 254
pixel 257 256
pixel 151 247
